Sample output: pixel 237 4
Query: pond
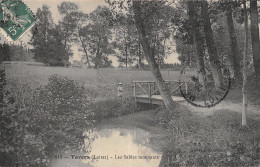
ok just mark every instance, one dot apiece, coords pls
pixel 117 147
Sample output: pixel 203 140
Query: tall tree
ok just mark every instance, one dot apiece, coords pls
pixel 40 37
pixel 212 49
pixel 140 55
pixel 44 24
pixel 234 56
pixel 67 24
pixel 79 19
pixel 255 36
pixel 198 41
pixel 149 54
pixel 183 37
pixel 126 40
pixel 244 91
pixel 96 39
pixel 47 41
pixel 159 31
pixel 97 35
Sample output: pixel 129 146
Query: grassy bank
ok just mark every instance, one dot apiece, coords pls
pixel 217 140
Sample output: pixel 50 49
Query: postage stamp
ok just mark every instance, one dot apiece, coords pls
pixel 15 19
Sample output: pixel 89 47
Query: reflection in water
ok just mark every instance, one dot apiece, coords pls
pixel 115 148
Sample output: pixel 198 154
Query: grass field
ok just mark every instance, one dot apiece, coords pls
pixel 102 81
pixel 40 74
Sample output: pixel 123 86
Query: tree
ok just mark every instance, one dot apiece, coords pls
pixel 126 40
pixel 1 53
pixel 255 36
pixel 159 29
pixel 198 41
pixel 96 39
pixel 212 49
pixel 186 53
pixel 183 36
pixel 43 26
pixel 79 19
pixel 234 57
pixel 67 24
pixel 244 91
pixel 96 36
pixel 57 54
pixel 6 52
pixel 140 55
pixel 20 53
pixel 47 40
pixel 149 54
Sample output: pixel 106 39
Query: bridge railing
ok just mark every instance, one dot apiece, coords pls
pixel 150 88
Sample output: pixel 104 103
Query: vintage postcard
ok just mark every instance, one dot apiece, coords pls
pixel 129 83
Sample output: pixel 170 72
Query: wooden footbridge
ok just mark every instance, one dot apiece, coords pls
pixel 147 92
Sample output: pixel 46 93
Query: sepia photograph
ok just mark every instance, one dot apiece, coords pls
pixel 129 83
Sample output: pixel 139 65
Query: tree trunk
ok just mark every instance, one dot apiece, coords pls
pixel 255 36
pixel 85 50
pixel 234 57
pixel 139 56
pixel 66 38
pixel 98 56
pixel 126 58
pixel 198 41
pixel 165 93
pixel 244 91
pixel 212 49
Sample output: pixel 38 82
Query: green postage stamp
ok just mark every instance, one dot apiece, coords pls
pixel 15 19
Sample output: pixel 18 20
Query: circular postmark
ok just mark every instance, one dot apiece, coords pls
pixel 199 88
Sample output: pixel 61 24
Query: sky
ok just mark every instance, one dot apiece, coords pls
pixel 86 6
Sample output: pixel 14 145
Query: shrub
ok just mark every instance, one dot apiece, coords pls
pixel 107 108
pixel 53 120
pixel 59 115
pixel 7 130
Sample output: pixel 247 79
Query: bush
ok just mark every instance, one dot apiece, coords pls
pixel 59 115
pixel 107 108
pixel 53 120
pixel 218 140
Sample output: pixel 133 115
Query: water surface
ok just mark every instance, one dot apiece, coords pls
pixel 115 148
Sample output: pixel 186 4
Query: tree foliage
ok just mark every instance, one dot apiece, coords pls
pixel 47 40
pixel 126 40
pixel 20 53
pixel 5 52
pixel 67 24
pixel 96 36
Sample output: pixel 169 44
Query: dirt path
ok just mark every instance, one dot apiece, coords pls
pixel 224 105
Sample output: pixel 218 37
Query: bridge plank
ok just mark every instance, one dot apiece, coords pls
pixel 156 99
